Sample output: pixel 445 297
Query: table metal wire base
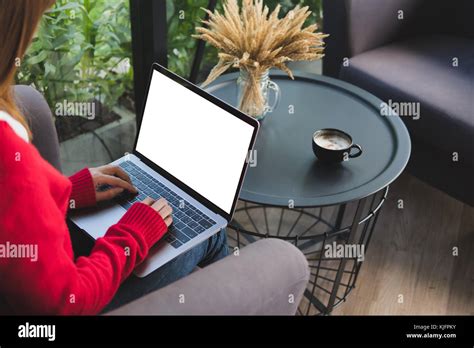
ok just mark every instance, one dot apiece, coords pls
pixel 334 239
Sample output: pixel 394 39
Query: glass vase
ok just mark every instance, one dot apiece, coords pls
pixel 257 95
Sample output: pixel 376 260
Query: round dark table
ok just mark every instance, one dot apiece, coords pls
pixel 285 173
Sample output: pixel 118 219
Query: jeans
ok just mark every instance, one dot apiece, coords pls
pixel 209 251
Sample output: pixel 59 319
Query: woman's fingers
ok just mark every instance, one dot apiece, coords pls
pixel 120 181
pixel 117 171
pixel 112 176
pixel 108 194
pixel 165 211
pixel 162 207
pixel 104 179
pixel 159 204
pixel 148 201
pixel 168 221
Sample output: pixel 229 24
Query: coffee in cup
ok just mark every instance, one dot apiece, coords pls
pixel 333 145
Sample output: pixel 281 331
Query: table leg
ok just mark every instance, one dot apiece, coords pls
pixel 342 264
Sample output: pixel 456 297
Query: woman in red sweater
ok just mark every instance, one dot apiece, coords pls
pixel 38 272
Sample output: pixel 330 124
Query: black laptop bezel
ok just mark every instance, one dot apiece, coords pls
pixel 223 105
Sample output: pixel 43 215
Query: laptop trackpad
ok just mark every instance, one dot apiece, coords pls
pixel 97 222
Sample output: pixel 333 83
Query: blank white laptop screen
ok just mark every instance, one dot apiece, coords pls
pixel 194 140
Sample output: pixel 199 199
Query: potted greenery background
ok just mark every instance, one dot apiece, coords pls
pixel 81 53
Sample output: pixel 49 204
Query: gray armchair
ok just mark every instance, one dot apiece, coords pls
pixel 414 51
pixel 268 276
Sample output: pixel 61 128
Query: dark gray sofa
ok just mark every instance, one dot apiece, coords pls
pixel 423 54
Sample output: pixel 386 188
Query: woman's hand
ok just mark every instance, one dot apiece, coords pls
pixel 162 207
pixel 112 176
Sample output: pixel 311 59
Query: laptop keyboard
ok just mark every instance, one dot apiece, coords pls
pixel 188 221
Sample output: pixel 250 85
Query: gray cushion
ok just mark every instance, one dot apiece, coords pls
pixel 257 282
pixel 372 23
pixel 38 114
pixel 421 70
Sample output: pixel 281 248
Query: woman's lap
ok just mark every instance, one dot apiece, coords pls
pixel 213 249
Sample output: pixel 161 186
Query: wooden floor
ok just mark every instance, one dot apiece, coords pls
pixel 409 267
pixel 411 254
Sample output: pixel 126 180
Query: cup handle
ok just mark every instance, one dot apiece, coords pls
pixel 358 153
pixel 276 90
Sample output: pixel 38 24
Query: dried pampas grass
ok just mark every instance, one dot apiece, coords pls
pixel 255 40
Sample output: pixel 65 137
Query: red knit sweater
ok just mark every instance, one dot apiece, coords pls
pixel 33 205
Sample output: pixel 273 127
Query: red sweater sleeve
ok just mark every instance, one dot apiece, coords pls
pixel 55 283
pixel 83 190
pixel 30 215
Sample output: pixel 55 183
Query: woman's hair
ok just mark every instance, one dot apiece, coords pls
pixel 18 22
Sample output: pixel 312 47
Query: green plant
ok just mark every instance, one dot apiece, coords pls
pixel 81 52
pixel 182 16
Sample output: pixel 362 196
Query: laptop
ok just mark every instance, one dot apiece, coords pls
pixel 192 149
